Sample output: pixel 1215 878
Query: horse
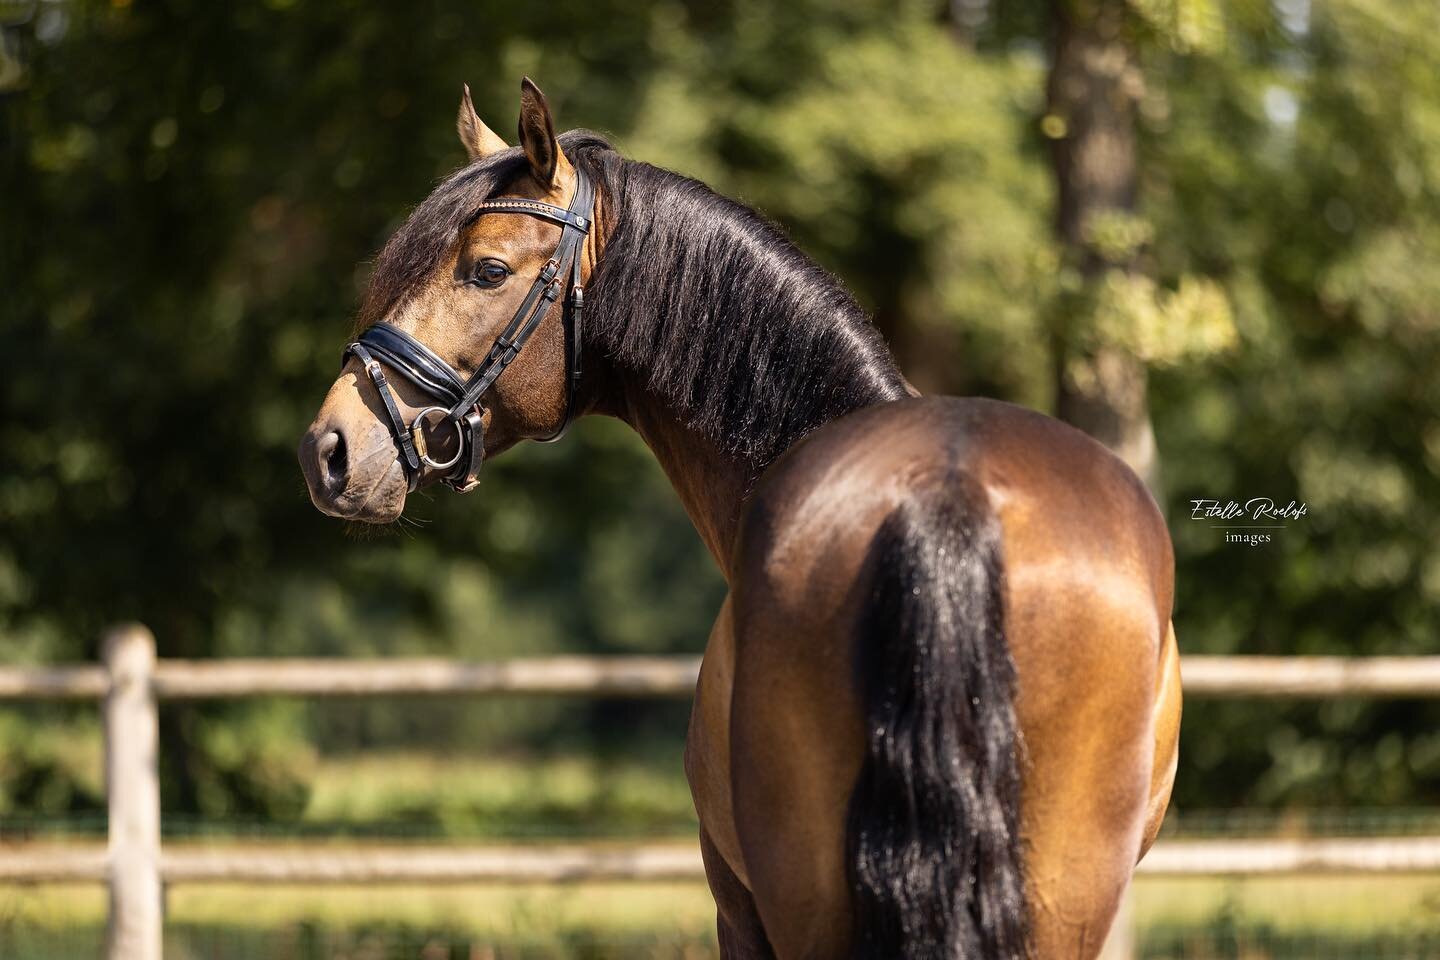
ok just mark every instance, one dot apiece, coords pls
pixel 937 713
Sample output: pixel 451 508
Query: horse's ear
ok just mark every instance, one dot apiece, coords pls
pixel 548 164
pixel 479 140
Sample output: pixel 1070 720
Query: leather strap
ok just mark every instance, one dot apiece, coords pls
pixel 539 208
pixel 584 199
pixel 473 429
pixel 543 292
pixel 414 361
pixel 397 422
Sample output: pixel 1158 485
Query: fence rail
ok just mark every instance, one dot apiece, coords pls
pixel 660 677
pixel 1308 677
pixel 428 864
pixel 297 677
pixel 132 681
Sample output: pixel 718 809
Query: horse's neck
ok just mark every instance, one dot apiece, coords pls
pixel 711 484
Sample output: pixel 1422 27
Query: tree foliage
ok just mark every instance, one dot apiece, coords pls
pixel 192 192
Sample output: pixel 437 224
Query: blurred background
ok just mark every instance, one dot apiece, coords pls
pixel 1208 231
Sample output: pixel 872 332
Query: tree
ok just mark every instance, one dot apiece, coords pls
pixel 1094 86
pixel 191 195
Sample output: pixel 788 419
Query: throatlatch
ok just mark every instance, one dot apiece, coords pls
pixel 459 400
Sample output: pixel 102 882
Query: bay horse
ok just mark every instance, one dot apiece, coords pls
pixel 938 709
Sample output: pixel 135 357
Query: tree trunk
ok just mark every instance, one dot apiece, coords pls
pixel 1093 89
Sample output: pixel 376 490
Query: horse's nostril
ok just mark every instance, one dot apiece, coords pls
pixel 331 452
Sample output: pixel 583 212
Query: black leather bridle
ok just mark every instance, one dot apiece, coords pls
pixel 459 399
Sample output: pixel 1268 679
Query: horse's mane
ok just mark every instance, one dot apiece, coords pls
pixel 750 341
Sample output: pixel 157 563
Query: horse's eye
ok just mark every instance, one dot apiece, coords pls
pixel 489 273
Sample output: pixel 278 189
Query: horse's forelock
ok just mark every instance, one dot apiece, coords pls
pixel 414 250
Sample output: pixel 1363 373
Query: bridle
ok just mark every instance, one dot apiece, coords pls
pixel 459 399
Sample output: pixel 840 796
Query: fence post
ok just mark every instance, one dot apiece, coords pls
pixel 132 786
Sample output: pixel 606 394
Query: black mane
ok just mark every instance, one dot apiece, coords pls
pixel 750 341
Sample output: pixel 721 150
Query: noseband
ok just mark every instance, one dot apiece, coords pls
pixel 458 399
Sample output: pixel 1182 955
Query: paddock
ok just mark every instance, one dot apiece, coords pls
pixel 130 684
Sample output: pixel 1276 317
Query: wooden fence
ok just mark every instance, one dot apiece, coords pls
pixel 131 682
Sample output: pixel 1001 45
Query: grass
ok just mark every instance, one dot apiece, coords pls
pixel 275 922
pixel 567 795
pixel 1292 904
pixel 1283 904
pixel 1254 919
pixel 518 912
pixel 579 795
pixel 416 795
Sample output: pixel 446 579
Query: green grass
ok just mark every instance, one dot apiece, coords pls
pixel 1385 918
pixel 577 795
pixel 419 795
pixel 1289 905
pixel 568 795
pixel 308 923
pixel 519 913
pixel 565 793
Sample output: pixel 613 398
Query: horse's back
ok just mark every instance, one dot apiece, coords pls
pixel 1015 451
pixel 1062 498
pixel 1087 591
